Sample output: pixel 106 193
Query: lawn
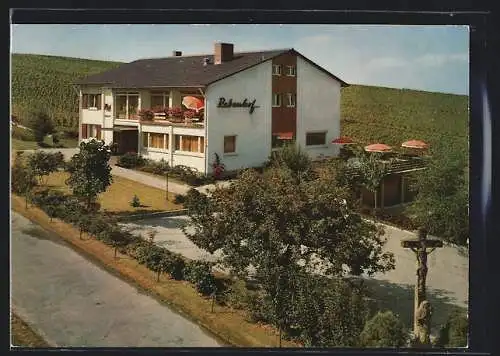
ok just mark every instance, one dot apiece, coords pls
pixel 23 335
pixel 20 145
pixel 116 199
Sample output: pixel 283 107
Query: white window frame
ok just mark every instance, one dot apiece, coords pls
pixel 317 132
pixel 277 69
pixel 235 152
pixel 127 95
pixel 291 71
pixel 290 100
pixel 94 101
pixel 278 103
pixel 188 152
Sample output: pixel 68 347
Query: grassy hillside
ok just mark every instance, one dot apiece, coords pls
pixel 392 116
pixel 44 82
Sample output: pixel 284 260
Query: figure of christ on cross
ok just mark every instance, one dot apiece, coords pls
pixel 422 247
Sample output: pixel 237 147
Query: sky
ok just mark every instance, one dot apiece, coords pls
pixel 429 58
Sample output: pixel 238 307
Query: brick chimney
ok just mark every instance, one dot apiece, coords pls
pixel 223 52
pixel 176 54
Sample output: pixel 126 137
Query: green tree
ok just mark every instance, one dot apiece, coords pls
pixel 455 332
pixel 41 124
pixel 118 238
pixel 290 156
pixel 281 227
pixel 43 163
pixel 22 178
pixel 90 172
pixel 384 329
pixel 442 203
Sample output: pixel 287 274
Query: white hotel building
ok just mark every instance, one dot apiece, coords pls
pixel 253 102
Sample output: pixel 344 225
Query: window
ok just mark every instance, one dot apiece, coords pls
pixel 229 144
pixel 315 138
pixel 155 140
pixel 91 101
pixel 276 100
pixel 91 131
pixel 276 69
pixel 127 106
pixel 159 100
pixel 189 143
pixel 290 100
pixel 290 71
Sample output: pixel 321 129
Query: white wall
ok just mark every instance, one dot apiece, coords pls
pixel 318 107
pixel 92 116
pixel 253 131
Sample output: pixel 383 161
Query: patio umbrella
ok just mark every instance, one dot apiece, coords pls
pixel 343 140
pixel 415 144
pixel 378 147
pixel 193 103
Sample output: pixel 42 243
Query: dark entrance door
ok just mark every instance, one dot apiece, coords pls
pixel 127 140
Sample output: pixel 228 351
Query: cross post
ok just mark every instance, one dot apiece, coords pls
pixel 422 247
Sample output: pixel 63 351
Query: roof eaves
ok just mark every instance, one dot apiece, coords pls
pixel 342 83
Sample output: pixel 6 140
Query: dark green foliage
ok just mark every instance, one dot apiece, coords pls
pixel 22 179
pixel 43 163
pixel 90 172
pixel 131 160
pixel 455 332
pixel 135 202
pixel 291 157
pixel 177 267
pixel 442 201
pixel 179 199
pixel 200 274
pixel 41 124
pixel 384 329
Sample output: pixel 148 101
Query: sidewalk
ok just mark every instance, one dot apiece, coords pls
pixel 160 183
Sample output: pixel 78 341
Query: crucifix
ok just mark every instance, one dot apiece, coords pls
pixel 422 247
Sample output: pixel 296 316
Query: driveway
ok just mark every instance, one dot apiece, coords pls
pixel 73 302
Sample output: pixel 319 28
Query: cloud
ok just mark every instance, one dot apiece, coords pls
pixel 387 62
pixel 314 40
pixel 437 59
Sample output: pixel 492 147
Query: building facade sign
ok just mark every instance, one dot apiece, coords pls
pixel 223 103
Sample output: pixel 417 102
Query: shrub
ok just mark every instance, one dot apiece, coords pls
pixel 21 179
pixel 199 273
pixel 135 203
pixel 179 199
pixel 238 296
pixel 43 163
pixel 384 330
pixel 131 160
pixel 454 332
pixel 41 124
pixel 70 133
pixel 177 267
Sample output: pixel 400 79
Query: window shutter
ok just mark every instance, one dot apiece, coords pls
pixel 85 99
pixel 84 131
pixel 98 132
pixel 98 101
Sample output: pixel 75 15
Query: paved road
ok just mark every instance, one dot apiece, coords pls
pixel 72 302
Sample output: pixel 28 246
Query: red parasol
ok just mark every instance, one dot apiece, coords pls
pixel 378 147
pixel 415 144
pixel 193 103
pixel 343 140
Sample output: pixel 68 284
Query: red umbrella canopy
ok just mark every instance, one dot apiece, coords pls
pixel 193 103
pixel 343 140
pixel 415 144
pixel 378 147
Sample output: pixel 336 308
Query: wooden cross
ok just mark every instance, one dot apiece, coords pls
pixel 422 247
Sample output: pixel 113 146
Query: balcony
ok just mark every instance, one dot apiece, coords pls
pixel 172 117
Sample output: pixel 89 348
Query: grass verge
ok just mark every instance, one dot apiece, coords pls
pixel 22 335
pixel 116 199
pixel 228 325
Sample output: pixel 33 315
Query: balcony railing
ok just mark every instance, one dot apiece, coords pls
pixel 172 116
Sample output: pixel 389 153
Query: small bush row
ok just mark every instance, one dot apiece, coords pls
pixel 157 259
